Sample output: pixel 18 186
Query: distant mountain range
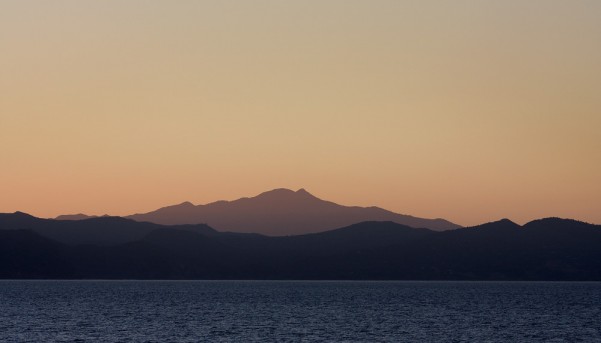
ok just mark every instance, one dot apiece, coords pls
pixel 103 231
pixel 278 212
pixel 79 216
pixel 119 248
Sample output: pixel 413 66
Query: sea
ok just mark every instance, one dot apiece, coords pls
pixel 299 311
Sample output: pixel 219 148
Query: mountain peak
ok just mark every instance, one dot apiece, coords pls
pixel 552 220
pixel 278 191
pixel 280 212
pixel 555 222
pixel 285 195
pixel 22 214
pixel 502 224
pixel 506 221
pixel 281 192
pixel 305 193
pixel 79 216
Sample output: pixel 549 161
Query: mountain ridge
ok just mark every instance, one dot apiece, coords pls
pixel 105 230
pixel 281 212
pixel 549 249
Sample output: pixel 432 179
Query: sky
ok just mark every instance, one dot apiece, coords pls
pixel 467 110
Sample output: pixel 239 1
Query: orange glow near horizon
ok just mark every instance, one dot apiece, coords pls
pixel 469 111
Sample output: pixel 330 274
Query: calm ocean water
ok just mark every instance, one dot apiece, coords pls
pixel 296 311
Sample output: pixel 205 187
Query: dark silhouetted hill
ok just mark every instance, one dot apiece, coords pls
pixel 281 212
pixel 27 255
pixel 79 216
pixel 546 249
pixel 97 231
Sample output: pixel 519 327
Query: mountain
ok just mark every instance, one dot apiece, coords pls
pixel 546 249
pixel 97 231
pixel 281 212
pixel 27 255
pixel 79 216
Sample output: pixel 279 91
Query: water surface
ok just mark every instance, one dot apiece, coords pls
pixel 299 311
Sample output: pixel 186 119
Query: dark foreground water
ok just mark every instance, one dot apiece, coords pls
pixel 242 311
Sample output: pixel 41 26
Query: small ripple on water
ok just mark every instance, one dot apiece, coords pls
pixel 242 311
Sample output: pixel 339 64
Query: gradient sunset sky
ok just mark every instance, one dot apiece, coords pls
pixel 467 110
